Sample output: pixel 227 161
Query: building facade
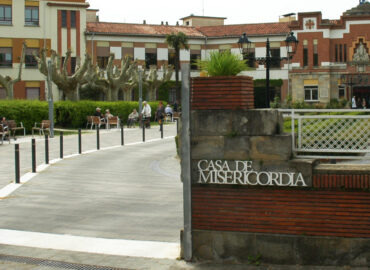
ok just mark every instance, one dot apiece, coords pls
pixel 332 59
pixel 322 69
pixel 57 25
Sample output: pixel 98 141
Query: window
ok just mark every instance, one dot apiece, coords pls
pixel 150 59
pixel 311 93
pixel 5 14
pixel 64 18
pixel 305 53
pixel 2 93
pixel 275 57
pixel 33 93
pixel 194 56
pixel 127 52
pixel 315 54
pixel 102 61
pixel 30 60
pixel 32 16
pixel 171 57
pixel 73 65
pixel 73 19
pixel 336 52
pixel 341 91
pixel 6 58
pixel 345 52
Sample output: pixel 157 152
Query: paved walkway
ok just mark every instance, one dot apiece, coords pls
pixel 108 138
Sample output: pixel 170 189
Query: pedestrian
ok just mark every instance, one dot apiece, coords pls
pixel 354 105
pixel 146 114
pixel 363 104
pixel 160 114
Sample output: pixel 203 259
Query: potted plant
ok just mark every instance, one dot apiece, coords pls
pixel 222 89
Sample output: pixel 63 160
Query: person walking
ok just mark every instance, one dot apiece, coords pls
pixel 354 105
pixel 160 115
pixel 146 114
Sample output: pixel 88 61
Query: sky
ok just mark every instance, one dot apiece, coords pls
pixel 236 11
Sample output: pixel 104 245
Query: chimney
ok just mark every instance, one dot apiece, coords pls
pixel 144 22
pixel 177 23
pixel 166 23
pixel 161 22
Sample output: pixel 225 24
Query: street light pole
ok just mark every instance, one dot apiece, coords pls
pixel 268 62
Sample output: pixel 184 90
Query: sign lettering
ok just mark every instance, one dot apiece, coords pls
pixel 219 172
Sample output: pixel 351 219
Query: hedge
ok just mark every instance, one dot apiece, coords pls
pixel 67 114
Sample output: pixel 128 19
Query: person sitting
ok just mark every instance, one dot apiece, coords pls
pixel 168 110
pixel 108 115
pixel 132 118
pixel 4 123
pixel 146 114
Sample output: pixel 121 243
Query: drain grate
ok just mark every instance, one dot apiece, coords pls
pixel 56 264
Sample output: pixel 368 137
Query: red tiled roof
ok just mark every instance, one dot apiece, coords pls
pixel 140 29
pixel 209 31
pixel 250 29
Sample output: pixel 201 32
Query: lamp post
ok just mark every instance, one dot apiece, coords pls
pixel 291 43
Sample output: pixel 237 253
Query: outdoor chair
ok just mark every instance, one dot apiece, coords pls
pixel 113 121
pixel 12 125
pixel 42 127
pixel 97 122
pixel 89 121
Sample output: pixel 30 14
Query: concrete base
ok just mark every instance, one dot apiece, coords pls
pixel 280 249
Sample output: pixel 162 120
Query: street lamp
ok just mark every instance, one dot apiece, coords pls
pixel 244 44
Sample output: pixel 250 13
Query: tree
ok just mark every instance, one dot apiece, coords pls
pixel 93 82
pixel 153 83
pixel 7 82
pixel 116 78
pixel 177 41
pixel 66 83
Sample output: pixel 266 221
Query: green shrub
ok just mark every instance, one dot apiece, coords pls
pixel 67 114
pixel 26 111
pixel 222 64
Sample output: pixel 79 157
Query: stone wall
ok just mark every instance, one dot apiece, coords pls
pixel 314 224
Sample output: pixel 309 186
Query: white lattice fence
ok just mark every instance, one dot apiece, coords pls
pixel 320 134
pixel 334 133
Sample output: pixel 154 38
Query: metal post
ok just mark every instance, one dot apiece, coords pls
pixel 186 160
pixel 161 127
pixel 143 124
pixel 122 136
pixel 61 145
pixel 268 62
pixel 177 126
pixel 46 149
pixel 97 138
pixel 17 165
pixel 33 155
pixel 50 100
pixel 79 141
pixel 140 90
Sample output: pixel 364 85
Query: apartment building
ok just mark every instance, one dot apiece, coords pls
pixel 57 25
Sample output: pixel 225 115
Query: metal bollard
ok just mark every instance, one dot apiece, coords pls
pixel 161 127
pixel 97 138
pixel 143 131
pixel 122 136
pixel 177 126
pixel 61 145
pixel 17 165
pixel 46 149
pixel 33 155
pixel 79 141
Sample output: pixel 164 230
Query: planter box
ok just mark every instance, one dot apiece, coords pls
pixel 222 93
